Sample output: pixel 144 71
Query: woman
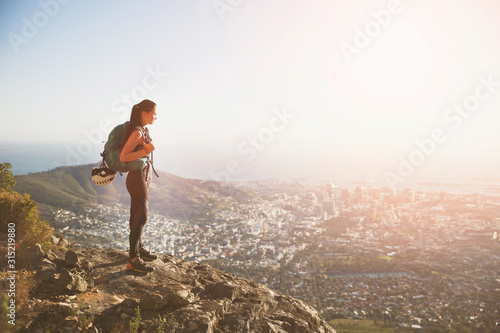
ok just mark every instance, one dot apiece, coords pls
pixel 137 145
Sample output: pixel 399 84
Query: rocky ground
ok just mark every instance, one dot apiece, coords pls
pixel 89 290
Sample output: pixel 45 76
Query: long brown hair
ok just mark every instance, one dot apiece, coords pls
pixel 135 115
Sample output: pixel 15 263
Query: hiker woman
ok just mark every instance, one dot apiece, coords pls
pixel 137 145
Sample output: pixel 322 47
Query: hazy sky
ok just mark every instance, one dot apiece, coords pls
pixel 377 89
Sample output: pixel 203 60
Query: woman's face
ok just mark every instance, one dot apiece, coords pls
pixel 148 118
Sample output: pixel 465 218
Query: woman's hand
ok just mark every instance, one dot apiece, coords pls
pixel 149 147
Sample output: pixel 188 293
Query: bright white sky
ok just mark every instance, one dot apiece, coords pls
pixel 233 64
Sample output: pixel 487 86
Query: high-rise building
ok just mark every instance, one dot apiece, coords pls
pixel 329 206
pixel 359 195
pixel 346 195
pixel 329 190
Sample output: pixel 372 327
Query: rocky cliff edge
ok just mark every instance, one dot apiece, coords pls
pixel 89 290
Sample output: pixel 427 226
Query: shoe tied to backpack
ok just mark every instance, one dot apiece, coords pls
pixel 146 255
pixel 139 266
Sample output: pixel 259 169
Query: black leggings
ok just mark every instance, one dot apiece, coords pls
pixel 138 190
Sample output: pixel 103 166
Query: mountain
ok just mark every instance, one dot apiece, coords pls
pixel 72 188
pixel 90 290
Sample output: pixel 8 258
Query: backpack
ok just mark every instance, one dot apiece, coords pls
pixel 113 149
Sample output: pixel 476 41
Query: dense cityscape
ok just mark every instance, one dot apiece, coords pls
pixel 405 260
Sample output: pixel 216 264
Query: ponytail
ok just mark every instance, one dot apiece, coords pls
pixel 135 115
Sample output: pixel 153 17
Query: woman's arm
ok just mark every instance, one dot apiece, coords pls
pixel 128 154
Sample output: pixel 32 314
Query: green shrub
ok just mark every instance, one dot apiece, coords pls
pixel 19 213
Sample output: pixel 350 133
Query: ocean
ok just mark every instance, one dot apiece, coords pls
pixel 31 158
pixel 202 162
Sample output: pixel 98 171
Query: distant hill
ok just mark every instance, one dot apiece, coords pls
pixel 72 188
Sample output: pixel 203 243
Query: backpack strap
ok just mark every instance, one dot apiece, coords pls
pixel 147 138
pixel 153 165
pixel 144 132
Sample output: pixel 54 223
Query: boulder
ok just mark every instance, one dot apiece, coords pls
pixel 71 282
pixel 71 259
pixel 152 302
pixel 46 271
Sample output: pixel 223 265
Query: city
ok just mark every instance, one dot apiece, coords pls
pixel 404 259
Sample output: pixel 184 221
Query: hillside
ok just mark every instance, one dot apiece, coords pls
pixel 72 188
pixel 90 289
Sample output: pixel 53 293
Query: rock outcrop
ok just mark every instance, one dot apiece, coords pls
pixel 89 290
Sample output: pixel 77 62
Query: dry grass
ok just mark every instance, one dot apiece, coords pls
pixel 24 282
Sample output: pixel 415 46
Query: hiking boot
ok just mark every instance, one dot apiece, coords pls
pixel 146 255
pixel 138 266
